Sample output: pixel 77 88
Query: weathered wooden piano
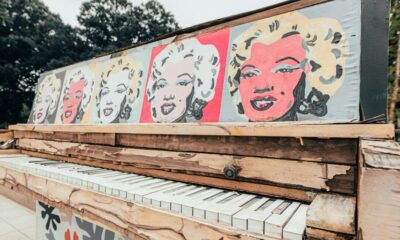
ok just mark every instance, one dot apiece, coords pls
pixel 265 125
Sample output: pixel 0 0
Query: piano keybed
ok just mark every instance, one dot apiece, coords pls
pixel 276 218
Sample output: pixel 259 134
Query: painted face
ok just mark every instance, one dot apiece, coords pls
pixel 43 101
pixel 269 77
pixel 172 91
pixel 72 100
pixel 113 96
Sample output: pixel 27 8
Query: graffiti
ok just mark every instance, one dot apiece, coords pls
pixel 45 103
pixel 55 224
pixel 52 219
pixel 67 235
pixel 119 89
pixel 76 95
pixel 182 81
pixel 93 232
pixel 272 61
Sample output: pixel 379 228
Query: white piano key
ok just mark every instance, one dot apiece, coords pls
pixel 199 210
pixel 226 212
pixel 176 206
pixel 141 192
pixel 274 225
pixel 149 199
pixel 239 220
pixel 211 210
pixel 157 197
pixel 256 221
pixel 295 228
pixel 166 202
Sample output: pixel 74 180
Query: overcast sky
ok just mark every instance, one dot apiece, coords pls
pixel 186 12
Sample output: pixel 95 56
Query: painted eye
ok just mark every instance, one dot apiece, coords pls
pixel 250 73
pixel 160 85
pixel 66 98
pixel 104 92
pixel 183 83
pixel 285 70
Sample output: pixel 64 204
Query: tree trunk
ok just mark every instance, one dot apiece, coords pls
pixel 395 86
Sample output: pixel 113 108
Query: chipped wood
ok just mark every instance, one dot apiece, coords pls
pixel 333 212
pixel 5 135
pixel 319 176
pixel 255 188
pixel 384 131
pixel 318 234
pixel 381 154
pixel 342 151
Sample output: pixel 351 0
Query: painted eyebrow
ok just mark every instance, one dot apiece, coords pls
pixel 121 84
pixel 247 65
pixel 185 74
pixel 287 58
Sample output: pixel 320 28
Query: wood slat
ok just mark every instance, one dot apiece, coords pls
pixel 342 151
pixel 132 220
pixel 333 212
pixel 5 135
pixel 384 131
pixel 251 187
pixel 309 175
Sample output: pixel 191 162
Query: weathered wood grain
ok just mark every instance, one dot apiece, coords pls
pixel 343 151
pixel 333 212
pixel 129 219
pixel 379 190
pixel 380 154
pixel 384 131
pixel 5 135
pixel 318 234
pixel 9 151
pixel 309 175
pixel 250 187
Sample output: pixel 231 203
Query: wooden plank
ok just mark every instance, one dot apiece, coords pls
pixel 307 149
pixel 332 212
pixel 5 135
pixel 9 151
pixel 320 176
pixel 94 138
pixel 343 151
pixel 255 188
pixel 131 219
pixel 381 154
pixel 293 129
pixel 314 234
pixel 20 198
pixel 379 204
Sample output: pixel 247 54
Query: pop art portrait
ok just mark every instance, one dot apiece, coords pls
pixel 46 99
pixel 76 95
pixel 119 89
pixel 185 78
pixel 273 60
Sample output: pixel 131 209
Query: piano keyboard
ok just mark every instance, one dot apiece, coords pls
pixel 276 218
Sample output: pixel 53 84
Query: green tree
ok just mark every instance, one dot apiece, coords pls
pixel 32 40
pixel 107 25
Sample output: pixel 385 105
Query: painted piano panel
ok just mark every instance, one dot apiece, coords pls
pixel 301 66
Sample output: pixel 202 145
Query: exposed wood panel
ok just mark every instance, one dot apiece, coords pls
pixel 318 234
pixel 94 138
pixel 9 151
pixel 308 149
pixel 379 204
pixel 5 135
pixel 385 131
pixel 319 176
pixel 126 218
pixel 343 151
pixel 381 154
pixel 20 198
pixel 255 188
pixel 332 212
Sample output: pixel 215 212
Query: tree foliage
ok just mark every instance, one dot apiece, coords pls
pixel 34 40
pixel 111 24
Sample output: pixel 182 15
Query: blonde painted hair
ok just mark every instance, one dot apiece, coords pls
pixel 206 63
pixel 51 81
pixel 135 74
pixel 324 41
